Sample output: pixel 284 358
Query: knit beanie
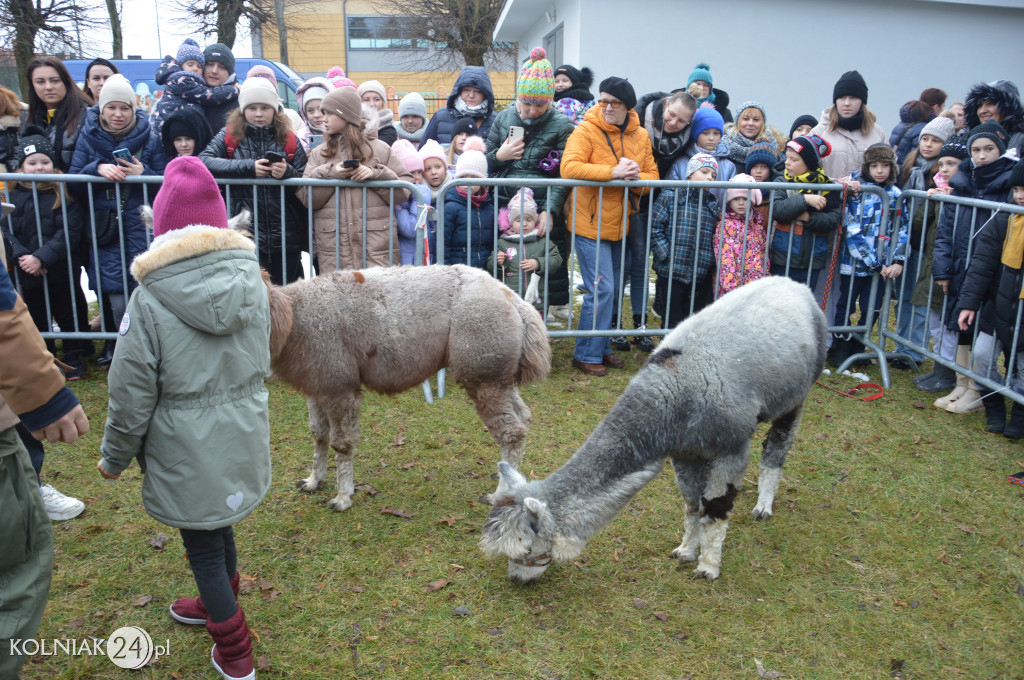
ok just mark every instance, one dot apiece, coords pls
pixel 472 162
pixel 407 153
pixel 754 194
pixel 467 125
pixel 431 149
pixel 812 148
pixel 522 203
pixel 992 130
pixel 805 119
pixel 256 91
pixel 751 104
pixel 879 153
pixel 189 50
pixel 850 84
pixel 372 86
pixel 32 140
pixel 345 102
pixel 620 89
pixel 955 147
pixel 583 76
pixel 940 127
pixel 413 104
pixel 1017 175
pixel 761 152
pixel 701 160
pixel 701 72
pixel 117 89
pixel 222 54
pixel 189 195
pixel 337 76
pixel 704 118
pixel 536 83
pixel 261 71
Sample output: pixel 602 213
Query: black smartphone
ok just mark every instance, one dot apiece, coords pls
pixel 274 157
pixel 123 155
pixel 352 163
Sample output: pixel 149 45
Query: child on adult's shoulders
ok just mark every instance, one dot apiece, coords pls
pixel 181 78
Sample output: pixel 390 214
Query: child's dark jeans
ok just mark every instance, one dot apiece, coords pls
pixel 212 556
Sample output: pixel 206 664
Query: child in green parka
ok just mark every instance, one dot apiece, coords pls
pixel 522 254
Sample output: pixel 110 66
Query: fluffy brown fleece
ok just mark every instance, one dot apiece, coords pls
pixel 391 328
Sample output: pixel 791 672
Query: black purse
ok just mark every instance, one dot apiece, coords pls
pixel 108 230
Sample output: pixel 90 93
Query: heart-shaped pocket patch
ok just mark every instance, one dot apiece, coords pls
pixel 234 501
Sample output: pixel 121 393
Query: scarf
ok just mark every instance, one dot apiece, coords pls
pixel 1013 246
pixel 434 190
pixel 816 176
pixel 118 135
pixel 666 146
pixel 739 146
pixel 939 182
pixel 710 99
pixel 478 111
pixel 916 180
pixel 478 198
pixel 577 92
pixel 413 137
pixel 853 122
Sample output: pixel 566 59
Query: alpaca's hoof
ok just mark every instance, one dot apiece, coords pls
pixel 684 556
pixel 338 503
pixel 761 512
pixel 308 485
pixel 709 574
pixel 488 498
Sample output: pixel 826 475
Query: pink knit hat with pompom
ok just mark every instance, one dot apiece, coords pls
pixel 337 76
pixel 408 154
pixel 189 196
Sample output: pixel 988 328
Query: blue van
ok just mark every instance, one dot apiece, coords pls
pixel 140 73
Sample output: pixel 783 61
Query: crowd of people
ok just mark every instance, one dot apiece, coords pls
pixel 957 269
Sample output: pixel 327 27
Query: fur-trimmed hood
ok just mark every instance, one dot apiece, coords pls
pixel 1006 96
pixel 207 277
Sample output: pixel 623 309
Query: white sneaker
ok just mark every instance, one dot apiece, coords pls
pixel 561 311
pixel 58 506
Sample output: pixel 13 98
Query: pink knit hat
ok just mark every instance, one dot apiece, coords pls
pixel 431 149
pixel 188 196
pixel 408 154
pixel 472 162
pixel 337 76
pixel 261 71
pixel 755 194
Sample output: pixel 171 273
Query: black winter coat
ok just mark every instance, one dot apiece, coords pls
pixel 22 235
pixel 64 142
pixel 266 210
pixel 992 287
pixel 9 143
pixel 442 123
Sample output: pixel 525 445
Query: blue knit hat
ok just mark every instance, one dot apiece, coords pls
pixel 701 72
pixel 704 118
pixel 189 50
pixel 761 152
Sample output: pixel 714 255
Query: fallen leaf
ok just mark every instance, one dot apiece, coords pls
pixel 367 489
pixel 265 584
pixel 450 520
pixel 396 513
pixel 762 673
pixel 263 663
pixel 661 616
pixel 639 604
pixel 407 466
pixel 399 440
pixel 143 601
pixel 436 585
pixel 177 675
pixel 462 611
pixel 919 404
pixel 159 542
pixel 857 565
pixel 917 439
pixel 966 529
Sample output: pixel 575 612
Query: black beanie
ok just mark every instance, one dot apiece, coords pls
pixel 32 140
pixel 806 119
pixel 1017 175
pixel 620 89
pixel 851 84
pixel 955 146
pixel 584 76
pixel 221 53
pixel 992 130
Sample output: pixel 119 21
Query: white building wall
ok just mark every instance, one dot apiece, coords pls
pixel 788 54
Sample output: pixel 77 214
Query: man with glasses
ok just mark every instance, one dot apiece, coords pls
pixel 608 145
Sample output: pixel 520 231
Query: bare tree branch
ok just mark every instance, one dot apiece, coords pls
pixel 43 25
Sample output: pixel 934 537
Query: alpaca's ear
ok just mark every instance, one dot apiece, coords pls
pixel 534 507
pixel 510 475
pixel 147 217
pixel 241 221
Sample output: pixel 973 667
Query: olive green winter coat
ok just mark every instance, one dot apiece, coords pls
pixel 186 384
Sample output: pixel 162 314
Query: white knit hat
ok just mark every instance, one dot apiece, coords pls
pixel 940 127
pixel 117 89
pixel 256 91
pixel 372 86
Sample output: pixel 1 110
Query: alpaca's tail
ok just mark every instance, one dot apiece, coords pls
pixel 280 317
pixel 535 362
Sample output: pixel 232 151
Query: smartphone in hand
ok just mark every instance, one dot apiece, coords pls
pixel 123 155
pixel 274 157
pixel 515 132
pixel 351 163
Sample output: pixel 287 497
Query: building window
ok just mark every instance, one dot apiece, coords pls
pixel 384 33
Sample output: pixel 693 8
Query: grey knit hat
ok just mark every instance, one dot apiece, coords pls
pixel 412 104
pixel 940 127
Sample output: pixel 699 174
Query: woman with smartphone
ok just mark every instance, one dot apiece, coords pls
pixel 258 143
pixel 115 143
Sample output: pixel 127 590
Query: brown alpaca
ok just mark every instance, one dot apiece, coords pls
pixel 391 328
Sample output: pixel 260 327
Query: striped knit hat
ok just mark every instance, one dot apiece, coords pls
pixel 189 50
pixel 761 152
pixel 701 160
pixel 536 84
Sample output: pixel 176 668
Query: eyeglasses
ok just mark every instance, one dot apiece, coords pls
pixel 609 105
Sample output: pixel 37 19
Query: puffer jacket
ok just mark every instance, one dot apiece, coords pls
pixel 863 252
pixel 184 88
pixel 812 246
pixel 993 287
pixel 848 147
pixel 95 147
pixel 347 207
pixel 589 156
pixel 683 225
pixel 442 123
pixel 907 133
pixel 471 226
pixel 266 210
pixel 956 233
pixel 9 126
pixel 57 241
pixel 64 142
pixel 548 133
pixel 726 168
pixel 186 385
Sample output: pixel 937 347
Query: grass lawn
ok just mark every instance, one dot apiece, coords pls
pixel 895 552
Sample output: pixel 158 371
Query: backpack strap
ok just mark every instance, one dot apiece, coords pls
pixel 290 146
pixel 230 143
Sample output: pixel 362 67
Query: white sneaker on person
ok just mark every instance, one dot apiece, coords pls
pixel 560 311
pixel 58 506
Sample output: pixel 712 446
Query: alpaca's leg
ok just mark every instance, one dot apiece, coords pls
pixel 689 483
pixel 725 475
pixel 321 429
pixel 777 444
pixel 343 412
pixel 506 417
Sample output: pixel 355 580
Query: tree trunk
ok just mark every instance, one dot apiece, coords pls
pixel 282 31
pixel 228 14
pixel 117 46
pixel 24 51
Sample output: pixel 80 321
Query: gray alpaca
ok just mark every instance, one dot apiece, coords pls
pixel 751 357
pixel 391 328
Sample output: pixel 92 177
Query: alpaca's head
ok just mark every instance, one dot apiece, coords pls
pixel 521 528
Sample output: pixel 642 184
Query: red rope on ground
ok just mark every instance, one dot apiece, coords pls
pixel 880 392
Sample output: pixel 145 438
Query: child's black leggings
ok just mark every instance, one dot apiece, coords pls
pixel 212 556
